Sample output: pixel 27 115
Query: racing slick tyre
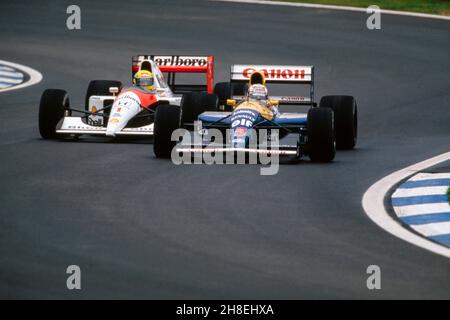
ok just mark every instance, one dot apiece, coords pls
pixel 345 119
pixel 225 90
pixel 54 102
pixel 100 88
pixel 210 102
pixel 167 119
pixel 321 142
pixel 195 103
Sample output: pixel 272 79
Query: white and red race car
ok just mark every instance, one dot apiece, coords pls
pixel 113 110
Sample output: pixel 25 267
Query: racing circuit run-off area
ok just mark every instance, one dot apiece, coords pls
pixel 226 156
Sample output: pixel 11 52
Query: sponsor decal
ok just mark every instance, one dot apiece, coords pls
pixel 114 120
pixel 124 99
pixel 258 90
pixel 294 99
pixel 241 131
pixel 241 122
pixel 181 61
pixel 276 73
pixel 244 118
pixel 93 122
pixel 293 116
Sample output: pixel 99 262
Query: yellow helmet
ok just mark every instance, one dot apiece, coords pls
pixel 144 79
pixel 258 92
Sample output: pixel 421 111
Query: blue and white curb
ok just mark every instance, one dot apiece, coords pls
pixel 422 203
pixel 10 77
pixel 374 204
pixel 16 76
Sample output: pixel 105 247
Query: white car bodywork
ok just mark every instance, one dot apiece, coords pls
pixel 125 106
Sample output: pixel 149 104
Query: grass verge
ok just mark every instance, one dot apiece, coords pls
pixel 448 195
pixel 441 7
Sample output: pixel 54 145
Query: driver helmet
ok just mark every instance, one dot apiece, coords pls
pixel 258 93
pixel 144 79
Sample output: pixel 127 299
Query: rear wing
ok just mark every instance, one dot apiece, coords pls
pixel 279 74
pixel 179 64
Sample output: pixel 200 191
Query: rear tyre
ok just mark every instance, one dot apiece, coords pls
pixel 54 103
pixel 100 88
pixel 195 103
pixel 238 89
pixel 225 90
pixel 210 102
pixel 345 119
pixel 167 119
pixel 321 142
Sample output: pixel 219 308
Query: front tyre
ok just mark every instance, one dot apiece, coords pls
pixel 100 88
pixel 345 117
pixel 54 102
pixel 321 144
pixel 167 119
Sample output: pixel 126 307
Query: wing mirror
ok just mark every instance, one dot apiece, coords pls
pixel 231 102
pixel 113 90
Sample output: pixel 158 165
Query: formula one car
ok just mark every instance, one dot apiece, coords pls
pixel 322 129
pixel 113 110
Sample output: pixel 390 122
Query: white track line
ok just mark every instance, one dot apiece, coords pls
pixel 343 8
pixel 373 204
pixel 35 76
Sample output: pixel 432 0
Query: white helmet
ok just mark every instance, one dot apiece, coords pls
pixel 257 92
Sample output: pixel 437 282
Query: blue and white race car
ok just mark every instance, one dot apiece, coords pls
pixel 252 123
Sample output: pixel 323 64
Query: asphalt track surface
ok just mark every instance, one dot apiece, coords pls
pixel 140 227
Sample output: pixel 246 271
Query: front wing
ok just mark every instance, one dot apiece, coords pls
pixel 75 126
pixel 282 150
